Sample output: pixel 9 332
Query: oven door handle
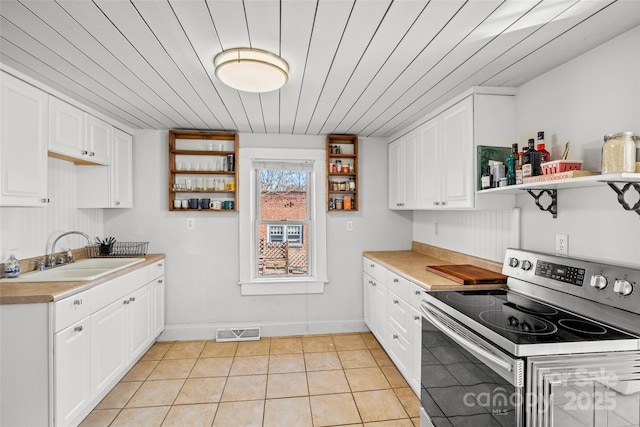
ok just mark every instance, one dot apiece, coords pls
pixel 466 344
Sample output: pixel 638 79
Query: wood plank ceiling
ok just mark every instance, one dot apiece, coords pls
pixel 367 67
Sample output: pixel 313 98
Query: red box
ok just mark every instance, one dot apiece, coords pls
pixel 557 166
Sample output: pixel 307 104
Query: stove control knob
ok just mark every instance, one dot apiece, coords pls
pixel 513 262
pixel 599 281
pixel 623 287
pixel 526 265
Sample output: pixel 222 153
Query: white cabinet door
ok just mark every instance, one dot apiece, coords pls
pixel 109 352
pixel 23 143
pixel 72 372
pixel 140 320
pixel 415 356
pixel 368 292
pixel 396 195
pixel 456 158
pixel 379 316
pixel 429 192
pixel 99 135
pixel 122 170
pixel 67 130
pixel 402 171
pixel 158 306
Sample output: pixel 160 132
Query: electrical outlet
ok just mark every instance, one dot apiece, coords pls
pixel 191 224
pixel 349 225
pixel 562 244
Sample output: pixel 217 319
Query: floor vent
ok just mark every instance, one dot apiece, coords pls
pixel 247 334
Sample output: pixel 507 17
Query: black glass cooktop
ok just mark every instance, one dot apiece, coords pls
pixel 522 320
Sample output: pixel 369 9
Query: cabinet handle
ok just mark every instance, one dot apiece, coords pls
pixel 126 301
pixel 416 317
pixel 417 292
pixel 117 203
pixel 395 280
pixel 395 337
pixel 436 203
pixel 160 280
pixel 77 302
pixel 159 264
pixel 132 299
pixel 372 265
pixel 78 328
pixel 84 152
pixel 47 200
pixel 444 203
pixel 92 153
pixel 373 283
pixel 395 301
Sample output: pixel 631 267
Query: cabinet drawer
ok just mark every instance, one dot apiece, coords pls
pixel 398 348
pixel 399 312
pixel 374 270
pixel 71 310
pixel 399 285
pixel 158 268
pixel 415 296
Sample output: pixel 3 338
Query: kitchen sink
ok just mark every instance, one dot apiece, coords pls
pixel 85 269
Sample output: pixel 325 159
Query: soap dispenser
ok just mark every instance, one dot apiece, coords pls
pixel 11 266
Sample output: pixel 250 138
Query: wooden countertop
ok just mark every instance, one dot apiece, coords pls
pixel 411 265
pixel 44 292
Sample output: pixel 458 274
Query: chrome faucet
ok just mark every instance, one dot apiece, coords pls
pixel 52 253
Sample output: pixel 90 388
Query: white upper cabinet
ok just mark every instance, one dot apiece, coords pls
pixel 23 143
pixel 441 172
pixel 76 136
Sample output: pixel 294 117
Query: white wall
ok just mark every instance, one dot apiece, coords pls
pixel 202 264
pixel 32 230
pixel 582 100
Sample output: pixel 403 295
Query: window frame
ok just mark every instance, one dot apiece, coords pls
pixel 250 283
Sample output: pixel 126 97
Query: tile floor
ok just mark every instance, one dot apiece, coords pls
pixel 314 381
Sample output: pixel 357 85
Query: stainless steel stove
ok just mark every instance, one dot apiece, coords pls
pixel 564 332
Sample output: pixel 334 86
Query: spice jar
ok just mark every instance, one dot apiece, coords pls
pixel 338 203
pixel 619 153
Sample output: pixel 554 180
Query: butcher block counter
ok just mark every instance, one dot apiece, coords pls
pixel 44 292
pixel 411 265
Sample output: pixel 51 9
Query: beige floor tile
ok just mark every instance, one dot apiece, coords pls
pixel 254 348
pixel 322 361
pixel 394 377
pixel 201 390
pixel 119 396
pixel 382 358
pixel 141 417
pixel 100 418
pixel 248 387
pixel 327 382
pixel 370 340
pixel 348 342
pixel 172 369
pixel 191 415
pixel 287 385
pixel 409 400
pixel 240 414
pixel 212 367
pixel 363 379
pixel 352 359
pixel 185 350
pixel 249 365
pixel 291 412
pixel 157 351
pixel 286 345
pixel 285 363
pixel 406 422
pixel 156 393
pixel 141 370
pixel 316 344
pixel 334 409
pixel 379 405
pixel 416 422
pixel 219 349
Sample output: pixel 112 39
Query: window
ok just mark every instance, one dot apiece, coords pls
pixel 282 222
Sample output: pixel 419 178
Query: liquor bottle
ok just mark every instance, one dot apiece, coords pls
pixel 511 166
pixel 531 160
pixel 486 179
pixel 545 156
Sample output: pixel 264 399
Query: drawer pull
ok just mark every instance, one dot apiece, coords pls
pixel 126 301
pixel 395 301
pixel 373 283
pixel 395 280
pixel 395 337
pixel 77 302
pixel 132 299
pixel 372 265
pixel 78 328
pixel 417 292
pixel 160 280
pixel 159 264
pixel 416 317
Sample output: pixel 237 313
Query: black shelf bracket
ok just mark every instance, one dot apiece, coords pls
pixel 553 206
pixel 623 191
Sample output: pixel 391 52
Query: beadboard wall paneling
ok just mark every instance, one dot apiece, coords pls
pixel 484 233
pixel 32 230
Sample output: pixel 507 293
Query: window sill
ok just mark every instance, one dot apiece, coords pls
pixel 282 287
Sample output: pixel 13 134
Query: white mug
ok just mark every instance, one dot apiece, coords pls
pixel 177 203
pixel 185 203
pixel 216 205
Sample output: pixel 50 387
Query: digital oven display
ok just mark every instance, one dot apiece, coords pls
pixel 562 273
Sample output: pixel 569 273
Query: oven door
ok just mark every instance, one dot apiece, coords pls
pixel 466 380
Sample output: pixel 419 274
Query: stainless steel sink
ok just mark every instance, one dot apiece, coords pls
pixel 82 270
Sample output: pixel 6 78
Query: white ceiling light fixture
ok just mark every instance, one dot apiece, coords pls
pixel 251 70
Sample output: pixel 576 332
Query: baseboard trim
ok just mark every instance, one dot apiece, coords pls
pixel 207 331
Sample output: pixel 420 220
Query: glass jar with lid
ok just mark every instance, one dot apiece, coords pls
pixel 619 153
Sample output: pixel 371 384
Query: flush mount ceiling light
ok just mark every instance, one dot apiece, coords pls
pixel 251 70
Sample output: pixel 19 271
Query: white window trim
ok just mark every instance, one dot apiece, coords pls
pixel 251 285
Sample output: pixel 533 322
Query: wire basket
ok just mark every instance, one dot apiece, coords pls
pixel 118 249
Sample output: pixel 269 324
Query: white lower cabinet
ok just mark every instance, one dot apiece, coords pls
pixel 96 336
pixel 72 372
pixel 392 313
